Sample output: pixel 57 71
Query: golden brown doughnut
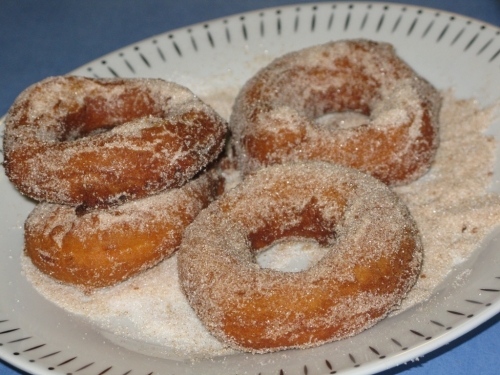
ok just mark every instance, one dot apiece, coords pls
pixel 95 142
pixel 355 103
pixel 106 246
pixel 373 256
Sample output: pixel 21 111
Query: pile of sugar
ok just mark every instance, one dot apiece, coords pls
pixel 451 204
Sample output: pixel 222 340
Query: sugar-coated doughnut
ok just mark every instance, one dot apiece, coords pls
pixel 353 102
pixel 373 254
pixel 105 246
pixel 96 142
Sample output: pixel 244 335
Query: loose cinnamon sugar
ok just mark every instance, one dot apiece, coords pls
pixel 149 308
pixel 451 204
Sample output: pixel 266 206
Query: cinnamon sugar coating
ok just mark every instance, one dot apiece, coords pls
pixel 389 115
pixel 373 255
pixel 96 142
pixel 106 246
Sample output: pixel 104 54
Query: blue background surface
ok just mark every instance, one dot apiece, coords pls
pixel 52 37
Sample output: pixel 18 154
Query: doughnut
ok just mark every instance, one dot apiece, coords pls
pixel 106 246
pixel 96 142
pixel 373 255
pixel 354 103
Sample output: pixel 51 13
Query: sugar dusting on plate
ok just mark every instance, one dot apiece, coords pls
pixel 451 204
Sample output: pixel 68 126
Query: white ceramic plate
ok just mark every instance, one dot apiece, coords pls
pixel 449 50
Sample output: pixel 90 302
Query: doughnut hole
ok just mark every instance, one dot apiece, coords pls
pixel 341 120
pixel 297 247
pixel 291 255
pixel 98 114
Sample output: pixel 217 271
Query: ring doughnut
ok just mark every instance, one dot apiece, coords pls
pixel 106 246
pixel 354 103
pixel 96 142
pixel 373 254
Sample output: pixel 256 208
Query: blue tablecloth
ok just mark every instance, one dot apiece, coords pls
pixel 51 37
